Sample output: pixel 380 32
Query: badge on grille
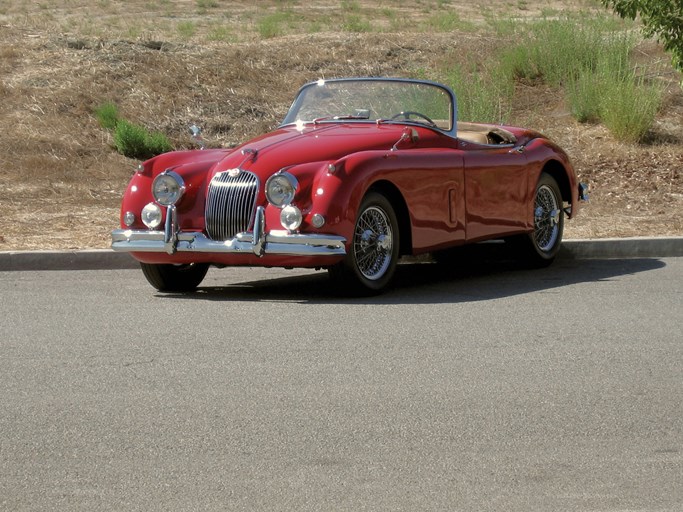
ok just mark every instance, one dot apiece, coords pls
pixel 233 173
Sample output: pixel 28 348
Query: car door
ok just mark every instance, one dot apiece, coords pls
pixel 495 192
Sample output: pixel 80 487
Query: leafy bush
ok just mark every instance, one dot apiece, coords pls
pixel 613 94
pixel 483 96
pixel 660 19
pixel 107 115
pixel 584 95
pixel 134 141
pixel 271 25
pixel 446 21
pixel 131 140
pixel 629 107
pixel 187 29
pixel 558 51
pixel 590 59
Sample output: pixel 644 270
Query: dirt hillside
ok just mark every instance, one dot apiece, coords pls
pixel 215 64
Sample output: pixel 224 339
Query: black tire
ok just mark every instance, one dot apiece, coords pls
pixel 175 278
pixel 373 253
pixel 540 247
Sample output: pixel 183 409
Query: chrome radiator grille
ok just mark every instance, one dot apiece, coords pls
pixel 230 204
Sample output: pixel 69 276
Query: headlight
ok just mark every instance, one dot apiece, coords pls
pixel 168 188
pixel 290 218
pixel 281 189
pixel 151 215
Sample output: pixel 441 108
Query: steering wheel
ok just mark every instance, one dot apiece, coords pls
pixel 406 115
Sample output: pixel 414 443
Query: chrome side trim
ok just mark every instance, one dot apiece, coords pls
pixel 274 242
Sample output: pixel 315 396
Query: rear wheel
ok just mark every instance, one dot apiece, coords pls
pixel 540 247
pixel 371 260
pixel 175 278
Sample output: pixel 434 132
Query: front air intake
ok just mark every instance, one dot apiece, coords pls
pixel 230 204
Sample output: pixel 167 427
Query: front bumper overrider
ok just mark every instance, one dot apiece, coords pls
pixel 258 242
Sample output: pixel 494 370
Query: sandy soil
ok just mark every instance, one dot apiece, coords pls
pixel 62 180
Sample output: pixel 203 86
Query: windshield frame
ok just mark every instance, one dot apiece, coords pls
pixel 291 117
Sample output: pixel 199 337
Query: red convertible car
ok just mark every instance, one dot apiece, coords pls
pixel 360 172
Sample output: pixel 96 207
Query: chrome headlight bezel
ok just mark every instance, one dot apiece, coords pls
pixel 167 188
pixel 281 189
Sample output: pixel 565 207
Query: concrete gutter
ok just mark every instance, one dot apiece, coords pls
pixel 613 248
pixel 102 259
pixel 93 259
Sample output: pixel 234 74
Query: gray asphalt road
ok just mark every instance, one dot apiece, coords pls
pixel 485 388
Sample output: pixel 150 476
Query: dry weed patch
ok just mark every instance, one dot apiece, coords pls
pixel 62 179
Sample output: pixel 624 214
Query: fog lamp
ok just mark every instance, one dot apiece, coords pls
pixel 151 215
pixel 168 188
pixel 128 219
pixel 290 218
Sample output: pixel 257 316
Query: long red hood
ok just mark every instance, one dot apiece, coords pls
pixel 288 146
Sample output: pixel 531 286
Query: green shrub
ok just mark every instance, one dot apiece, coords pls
pixel 187 29
pixel 584 95
pixel 107 115
pixel 271 25
pixel 219 33
pixel 130 139
pixel 158 143
pixel 356 23
pixel 446 21
pixel 482 95
pixel 134 141
pixel 558 51
pixel 629 108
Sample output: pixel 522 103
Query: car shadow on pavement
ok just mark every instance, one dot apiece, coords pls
pixel 472 275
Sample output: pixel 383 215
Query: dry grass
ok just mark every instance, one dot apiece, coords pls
pixel 62 181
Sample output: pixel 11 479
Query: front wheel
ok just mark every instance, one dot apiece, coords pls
pixel 540 247
pixel 373 253
pixel 175 278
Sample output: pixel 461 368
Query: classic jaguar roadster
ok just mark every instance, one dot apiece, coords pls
pixel 360 172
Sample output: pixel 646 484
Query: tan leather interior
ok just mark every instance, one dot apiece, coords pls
pixel 484 134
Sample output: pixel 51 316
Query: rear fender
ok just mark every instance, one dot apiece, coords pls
pixel 544 156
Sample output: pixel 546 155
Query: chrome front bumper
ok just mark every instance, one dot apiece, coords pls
pixel 257 242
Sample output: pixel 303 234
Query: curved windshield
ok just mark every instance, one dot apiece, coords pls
pixel 373 100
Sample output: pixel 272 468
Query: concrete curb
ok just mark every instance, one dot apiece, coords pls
pixel 103 259
pixel 612 248
pixel 95 259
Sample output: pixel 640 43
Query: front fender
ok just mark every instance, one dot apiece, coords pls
pixel 335 189
pixel 430 182
pixel 193 166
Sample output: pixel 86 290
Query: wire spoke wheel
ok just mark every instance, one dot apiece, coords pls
pixel 546 218
pixel 539 247
pixel 373 250
pixel 372 243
